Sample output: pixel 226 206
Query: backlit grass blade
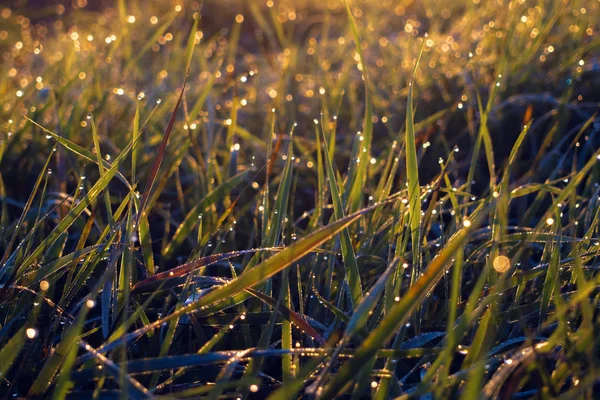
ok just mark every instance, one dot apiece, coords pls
pixel 11 350
pixel 96 140
pixel 283 194
pixel 80 151
pixel 356 190
pixel 45 271
pixel 343 317
pixel 160 154
pixel 350 264
pixel 412 173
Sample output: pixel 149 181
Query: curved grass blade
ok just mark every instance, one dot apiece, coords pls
pixel 145 365
pixel 339 314
pixel 80 151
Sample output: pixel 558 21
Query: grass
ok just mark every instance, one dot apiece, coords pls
pixel 291 199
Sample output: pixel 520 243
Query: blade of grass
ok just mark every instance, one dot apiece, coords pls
pixel 412 172
pixel 163 145
pixel 350 264
pixel 359 180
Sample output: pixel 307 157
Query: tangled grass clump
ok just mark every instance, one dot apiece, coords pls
pixel 284 199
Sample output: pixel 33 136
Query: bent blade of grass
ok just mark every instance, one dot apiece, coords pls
pixel 350 264
pixel 339 314
pixel 400 311
pixel 56 266
pixel 80 151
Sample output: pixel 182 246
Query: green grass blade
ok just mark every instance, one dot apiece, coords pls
pixel 359 179
pixel 350 264
pixel 412 172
